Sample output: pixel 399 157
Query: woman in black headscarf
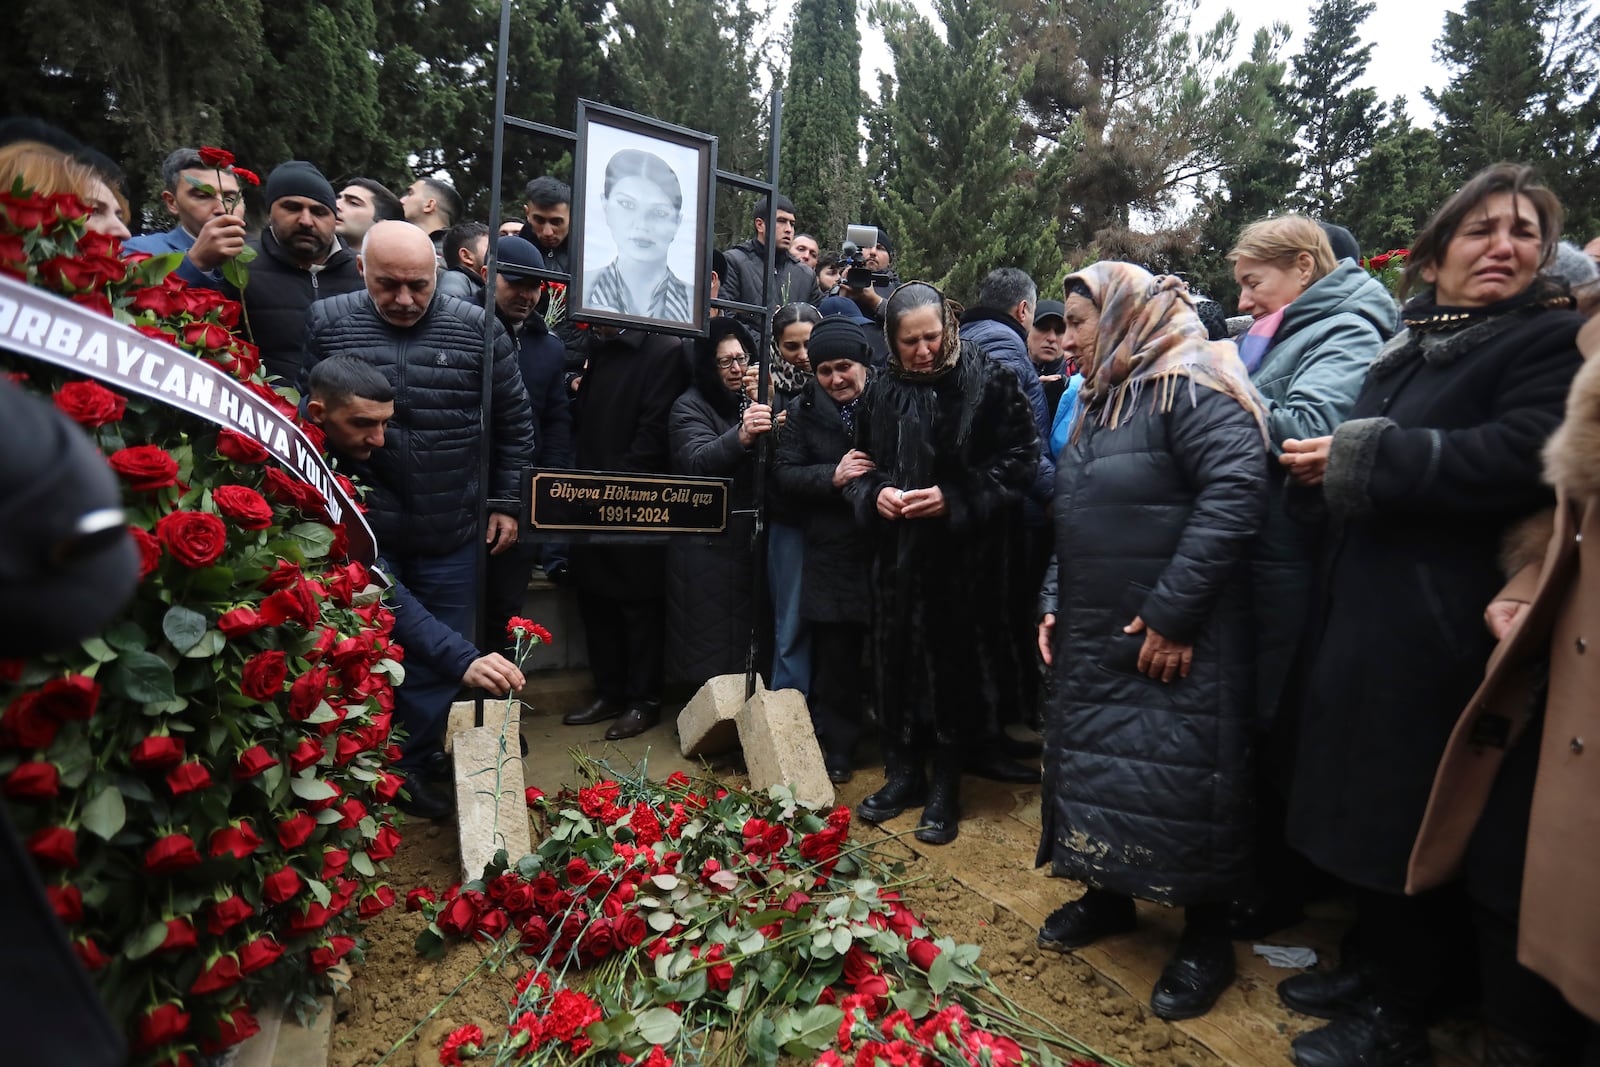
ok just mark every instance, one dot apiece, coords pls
pixel 953 443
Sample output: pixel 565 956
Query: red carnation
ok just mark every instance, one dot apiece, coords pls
pixel 69 699
pixel 280 885
pixel 33 781
pixel 187 777
pixel 195 538
pixel 66 901
pixel 236 841
pixel 241 449
pixel 145 466
pixel 252 761
pixel 249 177
pixel 240 621
pixel 56 845
pixel 180 935
pixel 221 973
pixel 226 914
pixel 160 1025
pixel 264 675
pixel 262 952
pixel 232 1028
pixel 468 1039
pixel 243 505
pixel 90 403
pixel 157 753
pixel 149 550
pixel 171 854
pixel 216 157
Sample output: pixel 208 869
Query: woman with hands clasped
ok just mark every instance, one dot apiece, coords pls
pixel 1145 617
pixel 953 445
pixel 713 432
pixel 1439 458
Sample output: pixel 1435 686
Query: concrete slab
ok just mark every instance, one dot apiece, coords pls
pixel 780 746
pixel 491 809
pixel 708 724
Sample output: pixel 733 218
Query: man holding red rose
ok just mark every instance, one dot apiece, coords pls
pixel 209 208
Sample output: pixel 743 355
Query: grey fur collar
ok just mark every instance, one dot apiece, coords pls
pixel 1440 346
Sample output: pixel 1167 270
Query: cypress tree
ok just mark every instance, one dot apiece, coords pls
pixel 1397 186
pixel 820 154
pixel 1338 120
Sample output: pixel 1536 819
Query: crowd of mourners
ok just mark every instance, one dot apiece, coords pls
pixel 1296 601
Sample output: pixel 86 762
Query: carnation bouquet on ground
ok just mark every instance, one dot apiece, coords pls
pixel 205 785
pixel 684 922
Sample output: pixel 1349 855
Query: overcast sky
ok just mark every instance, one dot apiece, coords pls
pixel 1402 31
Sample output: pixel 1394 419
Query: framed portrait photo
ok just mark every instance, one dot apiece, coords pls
pixel 642 210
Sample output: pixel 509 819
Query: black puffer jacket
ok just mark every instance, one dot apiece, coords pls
pixel 429 460
pixel 812 442
pixel 280 292
pixel 792 281
pixel 1147 786
pixel 710 588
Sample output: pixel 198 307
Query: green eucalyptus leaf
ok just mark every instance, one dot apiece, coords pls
pixel 312 789
pixel 328 816
pixel 665 881
pixel 141 676
pixel 271 778
pixel 761 1041
pixel 105 815
pixel 751 942
pixel 657 1026
pixel 319 890
pixel 661 921
pixel 816 1028
pixel 942 973
pixel 841 940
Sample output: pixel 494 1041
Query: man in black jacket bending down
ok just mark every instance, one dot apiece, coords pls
pixel 424 496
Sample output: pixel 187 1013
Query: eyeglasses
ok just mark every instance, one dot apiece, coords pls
pixel 730 362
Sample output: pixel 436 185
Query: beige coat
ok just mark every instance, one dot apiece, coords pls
pixel 1554 560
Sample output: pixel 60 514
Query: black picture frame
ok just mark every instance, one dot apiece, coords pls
pixel 600 291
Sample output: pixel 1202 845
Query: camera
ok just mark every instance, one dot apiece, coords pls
pixel 857 275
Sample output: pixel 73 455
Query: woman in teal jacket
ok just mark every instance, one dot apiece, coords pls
pixel 1319 323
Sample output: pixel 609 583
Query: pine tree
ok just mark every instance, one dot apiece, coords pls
pixel 1398 185
pixel 1338 120
pixel 821 147
pixel 960 198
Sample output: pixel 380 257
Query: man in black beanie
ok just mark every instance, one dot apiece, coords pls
pixel 299 259
pixel 792 280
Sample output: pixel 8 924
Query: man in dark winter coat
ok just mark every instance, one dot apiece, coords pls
pixel 548 210
pixel 353 402
pixel 466 250
pixel 792 280
pixel 299 261
pixel 999 324
pixel 425 495
pixel 623 402
pixel 542 358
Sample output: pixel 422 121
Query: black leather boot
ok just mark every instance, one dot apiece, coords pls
pixel 1326 994
pixel 903 787
pixel 1373 1037
pixel 1098 913
pixel 1196 975
pixel 941 819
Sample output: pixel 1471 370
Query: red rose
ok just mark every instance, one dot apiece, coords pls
pixel 13 256
pixel 157 753
pixel 66 901
pixel 923 952
pixel 195 538
pixel 334 861
pixel 326 802
pixel 458 916
pixel 243 505
pixel 247 176
pixel 206 336
pixel 294 832
pixel 90 403
pixel 298 603
pixel 236 841
pixel 33 781
pixel 328 956
pixel 160 1025
pixel 387 787
pixel 223 915
pixel 384 845
pixel 180 935
pixel 242 359
pixel 55 844
pixel 262 952
pixel 232 1028
pixel 264 675
pixel 375 902
pixel 171 854
pixel 306 754
pixel 73 274
pixel 280 885
pixel 875 986
pixel 241 449
pixel 25 725
pixel 240 621
pixel 292 492
pixel 69 699
pixel 598 941
pixel 307 692
pixel 187 777
pixel 149 550
pixel 216 157
pixel 252 761
pixel 89 954
pixel 492 924
pixel 632 929
pixel 36 212
pixel 420 896
pixel 314 917
pixel 145 466
pixel 719 976
pixel 518 899
pixel 219 974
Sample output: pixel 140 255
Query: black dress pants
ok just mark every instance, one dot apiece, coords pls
pixel 837 682
pixel 627 646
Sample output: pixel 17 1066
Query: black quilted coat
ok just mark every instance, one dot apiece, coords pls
pixel 1147 786
pixel 427 468
pixel 278 296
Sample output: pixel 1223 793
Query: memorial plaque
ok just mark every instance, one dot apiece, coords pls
pixel 598 503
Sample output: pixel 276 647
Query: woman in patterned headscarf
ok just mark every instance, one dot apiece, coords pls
pixel 1146 617
pixel 953 444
